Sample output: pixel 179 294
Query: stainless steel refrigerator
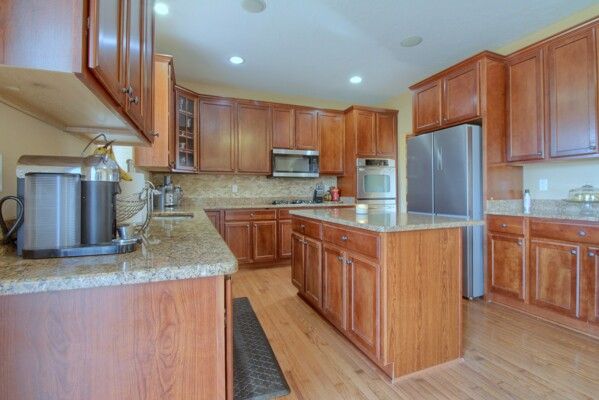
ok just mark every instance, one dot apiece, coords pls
pixel 445 178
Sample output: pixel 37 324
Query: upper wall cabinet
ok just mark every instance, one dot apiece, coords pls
pixel 306 129
pixel 525 98
pixel 386 134
pixel 283 127
pixel 217 135
pixel 331 131
pixel 253 138
pixel 186 131
pixel 373 131
pixel 447 98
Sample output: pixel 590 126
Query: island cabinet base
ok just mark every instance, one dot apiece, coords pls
pixel 395 295
pixel 163 340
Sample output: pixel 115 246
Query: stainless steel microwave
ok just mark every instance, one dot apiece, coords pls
pixel 295 163
pixel 376 179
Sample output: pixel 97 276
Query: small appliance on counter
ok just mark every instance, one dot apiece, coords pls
pixel 69 207
pixel 168 195
pixel 319 193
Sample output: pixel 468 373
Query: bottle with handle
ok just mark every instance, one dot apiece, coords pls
pixel 527 202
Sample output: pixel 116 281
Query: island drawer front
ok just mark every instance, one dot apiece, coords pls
pixel 360 242
pixel 505 224
pixel 569 232
pixel 308 228
pixel 250 215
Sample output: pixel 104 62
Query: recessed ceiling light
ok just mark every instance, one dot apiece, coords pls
pixel 253 6
pixel 355 79
pixel 236 60
pixel 161 8
pixel 411 41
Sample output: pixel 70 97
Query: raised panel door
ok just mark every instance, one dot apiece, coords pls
pixel 461 94
pixel 554 276
pixel 264 239
pixel 590 290
pixel 297 261
pixel 386 144
pixel 306 130
pixel 334 292
pixel 363 303
pixel 217 135
pixel 136 102
pixel 253 138
pixel 148 70
pixel 365 123
pixel 238 236
pixel 572 82
pixel 285 229
pixel 107 45
pixel 313 271
pixel 331 131
pixel 426 107
pixel 214 217
pixel 507 266
pixel 283 127
pixel 526 107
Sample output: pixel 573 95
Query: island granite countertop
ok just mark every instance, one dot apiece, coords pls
pixel 385 220
pixel 175 249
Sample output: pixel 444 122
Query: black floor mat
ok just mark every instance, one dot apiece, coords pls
pixel 257 374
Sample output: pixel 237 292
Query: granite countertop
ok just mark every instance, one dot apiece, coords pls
pixel 266 202
pixel 175 249
pixel 548 214
pixel 385 220
pixel 549 209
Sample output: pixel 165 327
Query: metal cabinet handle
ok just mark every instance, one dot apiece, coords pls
pixel 340 258
pixel 349 261
pixel 134 100
pixel 155 134
pixel 582 233
pixel 520 243
pixel 344 238
pixel 303 226
pixel 592 254
pixel 127 90
pixel 252 215
pixel 573 251
pixel 504 225
pixel 539 153
pixel 247 226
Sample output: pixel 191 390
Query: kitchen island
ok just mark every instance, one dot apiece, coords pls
pixel 149 324
pixel 389 282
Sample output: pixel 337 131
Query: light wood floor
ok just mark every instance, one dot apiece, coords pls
pixel 508 355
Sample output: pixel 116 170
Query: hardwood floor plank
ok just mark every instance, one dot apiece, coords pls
pixel 508 355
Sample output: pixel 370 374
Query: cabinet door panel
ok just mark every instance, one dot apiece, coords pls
pixel 507 265
pixel 147 97
pixel 331 131
pixel 283 128
pixel 363 304
pixel 334 295
pixel 460 94
pixel 386 145
pixel 135 102
pixel 214 217
pixel 253 140
pixel 554 276
pixel 525 136
pixel 264 239
pixel 306 130
pixel 572 79
pixel 590 288
pixel 238 236
pixel 285 238
pixel 217 137
pixel 297 261
pixel 427 107
pixel 107 45
pixel 186 136
pixel 365 133
pixel 313 271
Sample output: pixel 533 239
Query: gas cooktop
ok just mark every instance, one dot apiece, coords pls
pixel 292 201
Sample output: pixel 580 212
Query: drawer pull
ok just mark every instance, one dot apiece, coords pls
pixel 252 214
pixel 520 243
pixel 504 225
pixel 349 261
pixel 340 258
pixel 344 238
pixel 582 233
pixel 573 252
pixel 592 254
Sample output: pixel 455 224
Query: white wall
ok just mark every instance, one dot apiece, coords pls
pixel 561 177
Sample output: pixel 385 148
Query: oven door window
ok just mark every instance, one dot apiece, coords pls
pixel 377 183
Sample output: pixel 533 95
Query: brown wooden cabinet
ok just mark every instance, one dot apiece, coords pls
pixel 214 217
pixel 252 235
pixel 238 236
pixel 526 107
pixel 363 303
pixel 253 138
pixel 426 106
pixel 461 94
pixel 365 136
pixel 590 290
pixel 507 265
pixel 186 131
pixel 284 236
pixel 264 241
pixel 306 129
pixel 572 93
pixel 375 132
pixel 297 261
pixel 217 135
pixel 134 66
pixel 554 275
pixel 334 284
pixel 386 134
pixel 331 131
pixel 283 127
pixel 313 271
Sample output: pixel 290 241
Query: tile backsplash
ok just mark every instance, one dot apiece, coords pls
pixel 222 186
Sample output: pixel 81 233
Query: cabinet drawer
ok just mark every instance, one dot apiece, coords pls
pixel 505 224
pixel 308 228
pixel 360 242
pixel 250 215
pixel 577 233
pixel 283 214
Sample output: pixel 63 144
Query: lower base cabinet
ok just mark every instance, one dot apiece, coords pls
pixel 264 241
pixel 591 285
pixel 507 260
pixel 334 292
pixel 238 236
pixel 313 271
pixel 297 261
pixel 284 237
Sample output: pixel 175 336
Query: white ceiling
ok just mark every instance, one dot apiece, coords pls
pixel 312 47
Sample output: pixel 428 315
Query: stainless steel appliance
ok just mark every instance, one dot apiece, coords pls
pixel 170 195
pixel 69 206
pixel 445 178
pixel 319 192
pixel 295 163
pixel 376 182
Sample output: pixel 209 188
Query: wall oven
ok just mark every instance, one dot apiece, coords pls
pixel 376 180
pixel 295 163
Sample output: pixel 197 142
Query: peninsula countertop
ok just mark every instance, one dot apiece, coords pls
pixel 185 248
pixel 385 220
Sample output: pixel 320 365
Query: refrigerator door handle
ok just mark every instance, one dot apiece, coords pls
pixel 439 159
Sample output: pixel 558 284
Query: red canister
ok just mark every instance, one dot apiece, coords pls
pixel 335 194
